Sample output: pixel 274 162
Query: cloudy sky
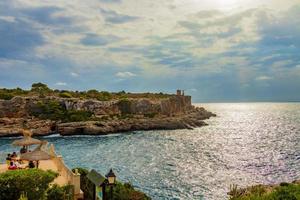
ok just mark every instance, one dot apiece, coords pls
pixel 217 50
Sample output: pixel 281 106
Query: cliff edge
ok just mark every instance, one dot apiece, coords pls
pixel 69 116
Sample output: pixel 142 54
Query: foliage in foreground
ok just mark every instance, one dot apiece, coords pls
pixel 60 193
pixel 33 183
pixel 285 191
pixel 126 192
pixel 120 191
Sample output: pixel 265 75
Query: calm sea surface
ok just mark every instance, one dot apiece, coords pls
pixel 248 143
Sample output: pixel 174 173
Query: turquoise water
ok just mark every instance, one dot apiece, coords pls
pixel 248 143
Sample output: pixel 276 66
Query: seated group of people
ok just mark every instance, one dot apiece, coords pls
pixel 14 163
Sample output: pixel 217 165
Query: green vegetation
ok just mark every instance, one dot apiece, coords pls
pixel 126 192
pixel 8 94
pixel 60 193
pixel 21 184
pixel 53 110
pixel 125 106
pixel 120 192
pixel 150 115
pixel 42 90
pixel 65 95
pixel 285 191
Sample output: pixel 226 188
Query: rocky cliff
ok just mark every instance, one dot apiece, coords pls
pixel 174 112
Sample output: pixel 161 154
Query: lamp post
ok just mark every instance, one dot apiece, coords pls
pixel 111 181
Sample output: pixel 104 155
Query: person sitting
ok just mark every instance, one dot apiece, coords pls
pixel 23 150
pixel 8 159
pixel 18 165
pixel 12 166
pixel 31 164
pixel 14 155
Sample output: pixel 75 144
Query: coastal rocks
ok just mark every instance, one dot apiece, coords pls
pixel 13 126
pixel 190 121
pixel 122 115
pixel 13 108
pixel 94 106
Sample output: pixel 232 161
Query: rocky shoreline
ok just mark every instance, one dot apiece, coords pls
pixel 53 114
pixel 194 118
pixel 188 121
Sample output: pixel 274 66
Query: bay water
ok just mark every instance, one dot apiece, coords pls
pixel 246 144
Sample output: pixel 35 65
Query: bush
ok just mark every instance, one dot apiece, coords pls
pixel 150 115
pixel 125 106
pixel 60 193
pixel 55 111
pixel 32 182
pixel 77 116
pixel 40 88
pixel 285 191
pixel 126 192
pixel 65 95
pixel 6 96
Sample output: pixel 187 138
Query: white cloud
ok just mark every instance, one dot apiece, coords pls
pixel 74 74
pixel 125 74
pixel 61 84
pixel 263 78
pixel 7 18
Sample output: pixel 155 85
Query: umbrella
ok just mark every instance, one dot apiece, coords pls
pixel 26 140
pixel 36 155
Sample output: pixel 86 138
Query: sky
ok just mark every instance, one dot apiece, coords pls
pixel 215 50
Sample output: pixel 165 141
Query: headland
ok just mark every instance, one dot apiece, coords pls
pixel 46 111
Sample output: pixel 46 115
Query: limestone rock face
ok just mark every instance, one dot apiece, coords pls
pixel 170 106
pixel 13 108
pixel 21 106
pixel 174 112
pixel 94 106
pixel 13 126
pixel 188 121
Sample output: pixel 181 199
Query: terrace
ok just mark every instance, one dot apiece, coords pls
pixel 52 161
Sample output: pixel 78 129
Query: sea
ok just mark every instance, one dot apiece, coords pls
pixel 246 144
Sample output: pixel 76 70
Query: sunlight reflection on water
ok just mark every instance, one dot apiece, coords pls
pixel 247 143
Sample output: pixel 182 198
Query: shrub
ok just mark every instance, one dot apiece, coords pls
pixel 65 95
pixel 32 182
pixel 126 192
pixel 49 110
pixel 285 191
pixel 77 116
pixel 6 96
pixel 55 111
pixel 104 96
pixel 150 115
pixel 60 193
pixel 40 88
pixel 125 106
